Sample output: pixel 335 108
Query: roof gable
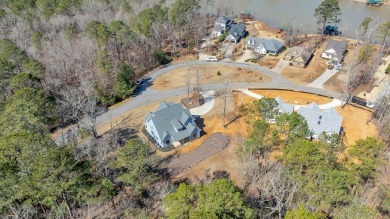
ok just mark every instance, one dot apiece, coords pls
pixel 172 120
pixel 284 107
pixel 321 121
pixel 268 44
pixel 237 29
pixel 303 53
pixel 338 47
pixel 222 19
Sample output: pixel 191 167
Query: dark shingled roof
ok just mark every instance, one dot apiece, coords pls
pixel 339 46
pixel 237 30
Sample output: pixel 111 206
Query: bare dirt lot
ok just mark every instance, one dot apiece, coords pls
pixel 208 74
pixel 269 61
pixel 355 123
pixel 262 30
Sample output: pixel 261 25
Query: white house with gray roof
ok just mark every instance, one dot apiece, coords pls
pixel 222 24
pixel 171 124
pixel 236 33
pixel 335 51
pixel 264 46
pixel 328 121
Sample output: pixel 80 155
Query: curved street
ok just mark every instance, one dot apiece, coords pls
pixel 149 95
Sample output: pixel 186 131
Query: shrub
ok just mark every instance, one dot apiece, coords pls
pixel 387 71
pixel 222 37
pixel 219 73
pixel 161 57
pixel 365 53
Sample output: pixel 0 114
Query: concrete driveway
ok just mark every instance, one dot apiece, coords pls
pixel 227 50
pixel 281 65
pixel 207 106
pixel 323 78
pixel 248 54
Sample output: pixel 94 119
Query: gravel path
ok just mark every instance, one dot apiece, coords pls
pixel 180 163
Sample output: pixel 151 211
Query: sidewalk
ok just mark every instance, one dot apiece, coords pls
pixel 207 106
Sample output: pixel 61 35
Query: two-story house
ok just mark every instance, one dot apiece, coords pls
pixel 171 124
pixel 236 33
pixel 299 56
pixel 222 24
pixel 335 51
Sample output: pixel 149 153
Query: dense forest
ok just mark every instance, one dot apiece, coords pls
pixel 63 62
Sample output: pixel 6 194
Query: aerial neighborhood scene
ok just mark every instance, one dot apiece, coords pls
pixel 195 109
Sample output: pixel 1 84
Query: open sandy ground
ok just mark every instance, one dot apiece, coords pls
pixel 208 74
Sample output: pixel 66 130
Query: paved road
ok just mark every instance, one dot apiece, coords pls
pixel 149 95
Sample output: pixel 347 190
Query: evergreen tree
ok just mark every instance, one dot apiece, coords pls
pixel 125 80
pixel 220 199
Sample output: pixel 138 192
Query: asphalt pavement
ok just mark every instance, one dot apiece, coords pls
pixel 149 95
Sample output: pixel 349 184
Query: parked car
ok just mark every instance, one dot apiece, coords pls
pixel 136 91
pixel 331 30
pixel 212 59
pixel 362 102
pixel 139 81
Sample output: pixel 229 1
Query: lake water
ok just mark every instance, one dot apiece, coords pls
pixel 276 12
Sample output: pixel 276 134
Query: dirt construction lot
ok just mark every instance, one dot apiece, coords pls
pixel 208 74
pixel 355 124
